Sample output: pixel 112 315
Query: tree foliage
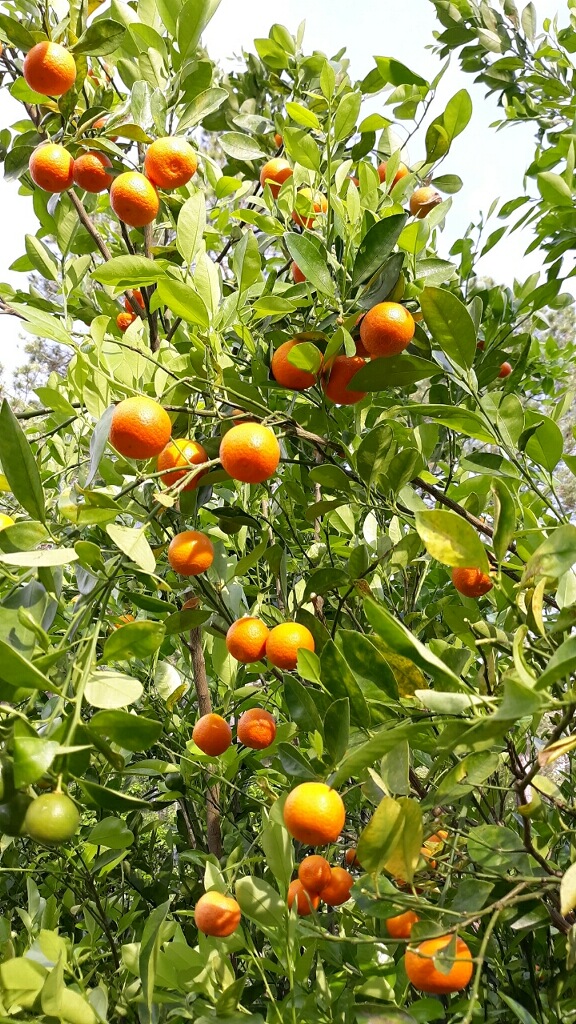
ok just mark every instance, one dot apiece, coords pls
pixel 436 716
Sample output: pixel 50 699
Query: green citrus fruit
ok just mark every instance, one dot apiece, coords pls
pixel 174 781
pixel 13 813
pixel 52 819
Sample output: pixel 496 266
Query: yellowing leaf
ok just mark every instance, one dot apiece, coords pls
pixel 568 890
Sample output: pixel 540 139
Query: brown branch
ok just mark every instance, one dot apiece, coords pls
pixel 213 830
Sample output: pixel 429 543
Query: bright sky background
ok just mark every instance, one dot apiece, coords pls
pixel 491 164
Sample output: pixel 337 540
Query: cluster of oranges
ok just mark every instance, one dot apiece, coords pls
pixel 249 640
pixel 169 163
pixel 213 736
pixel 317 883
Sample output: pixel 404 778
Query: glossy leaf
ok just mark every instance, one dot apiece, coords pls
pixel 376 245
pixel 450 539
pixel 19 465
pixel 450 325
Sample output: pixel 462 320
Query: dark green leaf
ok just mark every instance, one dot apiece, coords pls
pixel 366 661
pixel 504 518
pixel 100 38
pixel 394 372
pixel 376 245
pixel 339 680
pixel 14 32
pixel 133 732
pixel 392 72
pixel 450 325
pixel 310 255
pixel 337 729
pixel 400 640
pixel 128 272
pixel 19 465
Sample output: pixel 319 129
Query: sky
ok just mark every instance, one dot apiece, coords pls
pixel 490 163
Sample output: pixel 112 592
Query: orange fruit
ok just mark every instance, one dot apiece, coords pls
pixel 212 734
pixel 216 914
pixel 170 163
pixel 49 68
pixel 400 927
pixel 140 428
pixel 400 173
pixel 134 199
pixel 360 350
pixel 285 373
pixel 481 345
pixel 426 977
pixel 51 167
pixel 505 370
pixel 314 873
pixel 100 126
pixel 123 620
pixel 297 275
pixel 314 202
pixel 250 452
pixel 471 582
pixel 246 639
pixel 387 329
pixel 278 140
pixel 274 173
pixel 423 200
pixel 338 889
pixel 137 296
pixel 256 728
pixel 314 814
pixel 179 457
pixel 351 859
pixel 337 377
pixel 190 553
pixel 306 902
pixel 430 844
pixel 284 642
pixel 90 172
pixel 123 320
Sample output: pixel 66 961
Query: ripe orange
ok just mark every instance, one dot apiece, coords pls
pixel 275 173
pixel 246 639
pixel 137 296
pixel 297 275
pixel 505 370
pixel 400 173
pixel 360 350
pixel 284 642
pixel 314 814
pixel 134 199
pixel 387 329
pixel 338 889
pixel 123 620
pixel 430 845
pixel 306 902
pixel 179 457
pixel 336 379
pixel 170 163
pixel 351 859
pixel 49 68
pixel 471 582
pixel 100 126
pixel 315 873
pixel 216 914
pixel 426 977
pixel 256 729
pixel 250 452
pixel 51 167
pixel 140 428
pixel 285 373
pixel 90 172
pixel 212 734
pixel 423 200
pixel 123 320
pixel 278 140
pixel 314 202
pixel 190 553
pixel 400 927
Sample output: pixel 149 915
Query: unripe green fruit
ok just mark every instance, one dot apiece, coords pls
pixel 52 819
pixel 13 814
pixel 174 781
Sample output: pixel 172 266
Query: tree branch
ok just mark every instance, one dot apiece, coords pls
pixel 213 830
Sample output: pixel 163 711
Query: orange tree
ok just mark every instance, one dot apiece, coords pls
pixel 286 587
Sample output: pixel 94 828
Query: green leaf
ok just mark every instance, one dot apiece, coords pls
pixel 16 671
pixel 301 148
pixel 310 255
pixel 450 539
pixel 545 445
pixel 498 850
pixel 393 72
pixel 278 851
pixel 111 799
pixel 112 833
pixel 19 465
pixel 200 107
pixel 518 1010
pixel 400 640
pixel 151 942
pixel 376 245
pixel 110 690
pixel 301 115
pixel 184 301
pixel 394 372
pixel 191 226
pixel 134 640
pixel 457 114
pixel 133 732
pixel 378 840
pixel 561 664
pixel 41 258
pixel 260 903
pixel 372 750
pixel 555 556
pixel 100 39
pixel 346 115
pixel 504 518
pixel 403 861
pixel 554 189
pixel 13 31
pixel 301 706
pixel 33 756
pixel 457 418
pixel 133 543
pixel 128 272
pixel 337 729
pixel 339 681
pixel 366 661
pixel 192 20
pixel 450 325
pixel 43 558
pixel 247 262
pixel 238 146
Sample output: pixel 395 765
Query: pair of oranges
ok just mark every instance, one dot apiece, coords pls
pixel 309 203
pixel 213 736
pixel 317 883
pixel 249 640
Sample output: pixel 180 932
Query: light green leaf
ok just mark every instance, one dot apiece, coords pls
pixel 450 325
pixel 450 539
pixel 191 226
pixel 128 272
pixel 133 543
pixel 110 690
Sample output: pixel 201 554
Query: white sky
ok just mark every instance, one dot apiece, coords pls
pixel 491 164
